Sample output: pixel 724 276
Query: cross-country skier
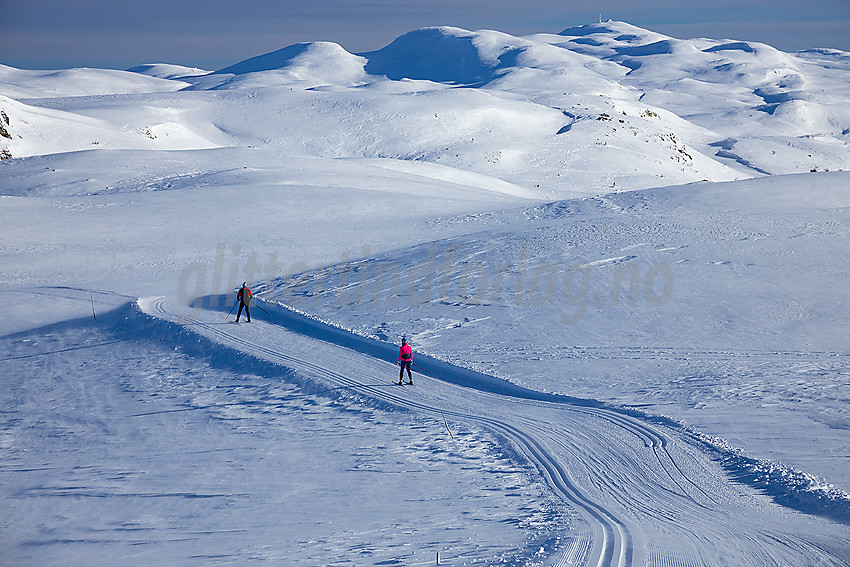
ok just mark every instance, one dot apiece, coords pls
pixel 244 298
pixel 405 359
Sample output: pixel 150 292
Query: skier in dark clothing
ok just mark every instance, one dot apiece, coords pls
pixel 405 359
pixel 244 298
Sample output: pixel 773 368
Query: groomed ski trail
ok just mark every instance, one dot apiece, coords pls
pixel 629 480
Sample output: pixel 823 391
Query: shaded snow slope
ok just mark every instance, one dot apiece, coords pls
pixel 167 71
pixel 442 55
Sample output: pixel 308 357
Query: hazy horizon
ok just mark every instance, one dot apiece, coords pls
pixel 50 34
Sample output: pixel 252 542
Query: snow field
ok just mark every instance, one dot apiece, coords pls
pixel 630 480
pixel 621 290
pixel 159 448
pixel 600 222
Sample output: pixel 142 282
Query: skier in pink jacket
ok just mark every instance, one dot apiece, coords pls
pixel 405 359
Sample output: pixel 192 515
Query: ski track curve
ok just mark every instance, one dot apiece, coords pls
pixel 612 541
pixel 617 540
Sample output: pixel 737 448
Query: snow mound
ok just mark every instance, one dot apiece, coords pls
pixel 304 64
pixel 42 130
pixel 737 45
pixel 167 71
pixel 447 55
pixel 621 31
pixel 299 53
pixel 664 47
pixel 24 84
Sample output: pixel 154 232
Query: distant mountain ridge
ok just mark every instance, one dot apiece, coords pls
pixel 606 106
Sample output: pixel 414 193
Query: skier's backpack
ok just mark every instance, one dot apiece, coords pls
pixel 245 295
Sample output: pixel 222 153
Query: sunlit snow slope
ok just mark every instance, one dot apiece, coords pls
pixel 595 108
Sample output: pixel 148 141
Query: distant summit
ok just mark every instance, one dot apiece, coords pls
pixel 308 64
pixel 317 55
pixel 167 71
pixel 440 54
pixel 622 31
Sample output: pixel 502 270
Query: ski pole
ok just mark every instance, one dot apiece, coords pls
pixel 423 371
pixel 263 310
pixel 231 310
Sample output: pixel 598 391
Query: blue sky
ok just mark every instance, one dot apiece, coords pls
pixel 52 34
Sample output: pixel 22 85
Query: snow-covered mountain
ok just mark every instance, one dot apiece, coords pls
pixel 620 258
pixel 593 108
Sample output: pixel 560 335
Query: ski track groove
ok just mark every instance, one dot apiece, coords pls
pixel 610 542
pixel 654 440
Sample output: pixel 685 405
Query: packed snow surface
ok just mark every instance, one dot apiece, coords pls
pixel 620 257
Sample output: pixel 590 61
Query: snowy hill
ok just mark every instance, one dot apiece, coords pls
pixel 306 65
pixel 620 258
pixel 167 71
pixel 664 110
pixel 26 84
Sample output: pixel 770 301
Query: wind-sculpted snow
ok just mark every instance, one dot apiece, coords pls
pixel 786 485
